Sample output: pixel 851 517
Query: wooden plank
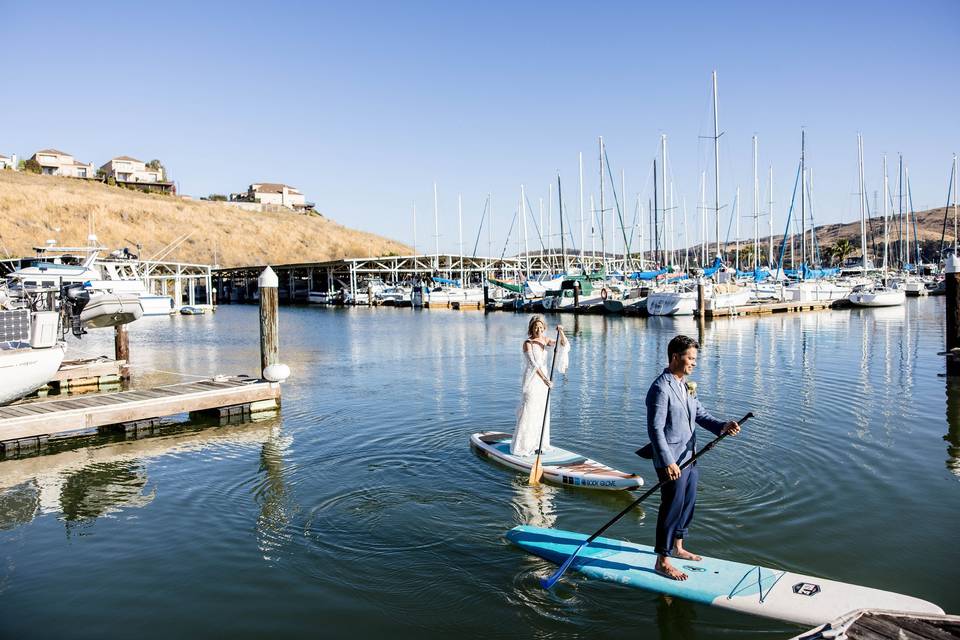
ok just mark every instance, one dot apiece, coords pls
pixel 73 417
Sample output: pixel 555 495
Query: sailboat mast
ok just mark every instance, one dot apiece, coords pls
pixel 900 212
pixel 550 224
pixel 803 198
pixel 414 229
pixel 563 243
pixel 523 215
pixel 640 230
pixel 582 237
pixel 603 236
pixel 756 208
pixel 716 162
pixel 886 195
pixel 703 218
pixel 656 230
pixel 863 195
pixel 955 239
pixel 737 213
pixel 663 183
pixel 460 236
pixel 770 213
pixel 623 196
pixel 436 227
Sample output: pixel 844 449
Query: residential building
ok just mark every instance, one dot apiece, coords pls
pixel 59 163
pixel 272 195
pixel 8 162
pixel 133 173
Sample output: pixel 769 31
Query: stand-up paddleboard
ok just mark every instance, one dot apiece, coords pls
pixel 559 465
pixel 770 593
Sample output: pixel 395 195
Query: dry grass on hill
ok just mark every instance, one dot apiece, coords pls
pixel 35 208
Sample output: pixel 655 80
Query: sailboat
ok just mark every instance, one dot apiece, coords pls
pixel 875 295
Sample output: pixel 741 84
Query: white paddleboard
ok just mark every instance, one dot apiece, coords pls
pixel 770 593
pixel 559 465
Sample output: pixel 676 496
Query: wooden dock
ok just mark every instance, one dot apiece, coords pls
pixel 775 307
pixel 870 624
pixel 87 373
pixel 29 425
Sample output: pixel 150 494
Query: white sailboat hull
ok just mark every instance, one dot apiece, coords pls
pixel 885 298
pixel 24 369
pixel 672 303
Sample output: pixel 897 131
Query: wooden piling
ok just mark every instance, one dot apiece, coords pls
pixel 701 299
pixel 953 315
pixel 121 349
pixel 269 321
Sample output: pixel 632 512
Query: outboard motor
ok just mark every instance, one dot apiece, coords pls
pixel 75 297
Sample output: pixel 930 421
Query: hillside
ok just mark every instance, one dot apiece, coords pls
pixel 36 208
pixel 929 226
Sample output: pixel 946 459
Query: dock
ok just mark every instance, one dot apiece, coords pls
pixel 87 373
pixel 30 425
pixel 775 307
pixel 871 624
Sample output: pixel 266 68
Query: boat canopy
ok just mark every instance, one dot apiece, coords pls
pixel 647 275
pixel 452 283
pixel 712 269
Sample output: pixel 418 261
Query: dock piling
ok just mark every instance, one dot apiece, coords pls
pixel 953 314
pixel 269 286
pixel 121 349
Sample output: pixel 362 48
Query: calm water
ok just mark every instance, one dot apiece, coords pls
pixel 361 510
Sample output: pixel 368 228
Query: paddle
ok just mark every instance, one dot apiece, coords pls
pixel 552 580
pixel 537 471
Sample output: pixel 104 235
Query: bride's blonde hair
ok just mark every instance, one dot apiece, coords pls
pixel 533 322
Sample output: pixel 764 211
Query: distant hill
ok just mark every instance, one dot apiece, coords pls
pixel 35 208
pixel 929 227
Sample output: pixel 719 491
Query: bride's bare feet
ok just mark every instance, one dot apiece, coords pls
pixel 664 568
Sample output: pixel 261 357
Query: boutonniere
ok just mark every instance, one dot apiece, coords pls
pixel 692 388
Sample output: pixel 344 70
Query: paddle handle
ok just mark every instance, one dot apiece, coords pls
pixel 649 492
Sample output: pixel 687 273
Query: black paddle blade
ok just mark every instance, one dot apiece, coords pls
pixel 646 451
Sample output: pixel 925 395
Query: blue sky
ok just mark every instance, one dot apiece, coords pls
pixel 364 105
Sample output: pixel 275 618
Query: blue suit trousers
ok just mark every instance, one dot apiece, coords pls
pixel 677 500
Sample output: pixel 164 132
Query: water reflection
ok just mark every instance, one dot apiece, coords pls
pixel 273 496
pixel 87 483
pixel 534 503
pixel 953 426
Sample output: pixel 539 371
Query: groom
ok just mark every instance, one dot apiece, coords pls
pixel 672 414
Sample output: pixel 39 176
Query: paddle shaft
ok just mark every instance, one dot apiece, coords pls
pixel 550 581
pixel 546 408
pixel 649 492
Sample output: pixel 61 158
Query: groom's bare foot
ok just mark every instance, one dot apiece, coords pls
pixel 664 568
pixel 683 554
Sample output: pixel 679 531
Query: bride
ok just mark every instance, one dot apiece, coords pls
pixel 534 386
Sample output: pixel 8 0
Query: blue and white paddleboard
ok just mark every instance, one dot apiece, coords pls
pixel 770 593
pixel 559 465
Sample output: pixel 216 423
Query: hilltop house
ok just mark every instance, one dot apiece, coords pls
pixel 271 195
pixel 8 162
pixel 130 172
pixel 58 163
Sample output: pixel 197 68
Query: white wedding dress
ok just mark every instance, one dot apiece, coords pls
pixel 533 398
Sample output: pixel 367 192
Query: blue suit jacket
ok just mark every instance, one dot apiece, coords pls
pixel 671 417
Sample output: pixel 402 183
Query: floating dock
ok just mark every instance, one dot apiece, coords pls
pixel 876 624
pixel 28 426
pixel 88 373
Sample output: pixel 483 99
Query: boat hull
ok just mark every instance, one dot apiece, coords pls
pixel 23 370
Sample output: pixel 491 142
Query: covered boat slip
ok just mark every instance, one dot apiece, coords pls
pixel 560 466
pixel 760 591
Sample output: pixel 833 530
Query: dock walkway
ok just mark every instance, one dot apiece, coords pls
pixel 30 424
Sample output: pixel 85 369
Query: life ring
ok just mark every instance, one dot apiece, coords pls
pixel 603 293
